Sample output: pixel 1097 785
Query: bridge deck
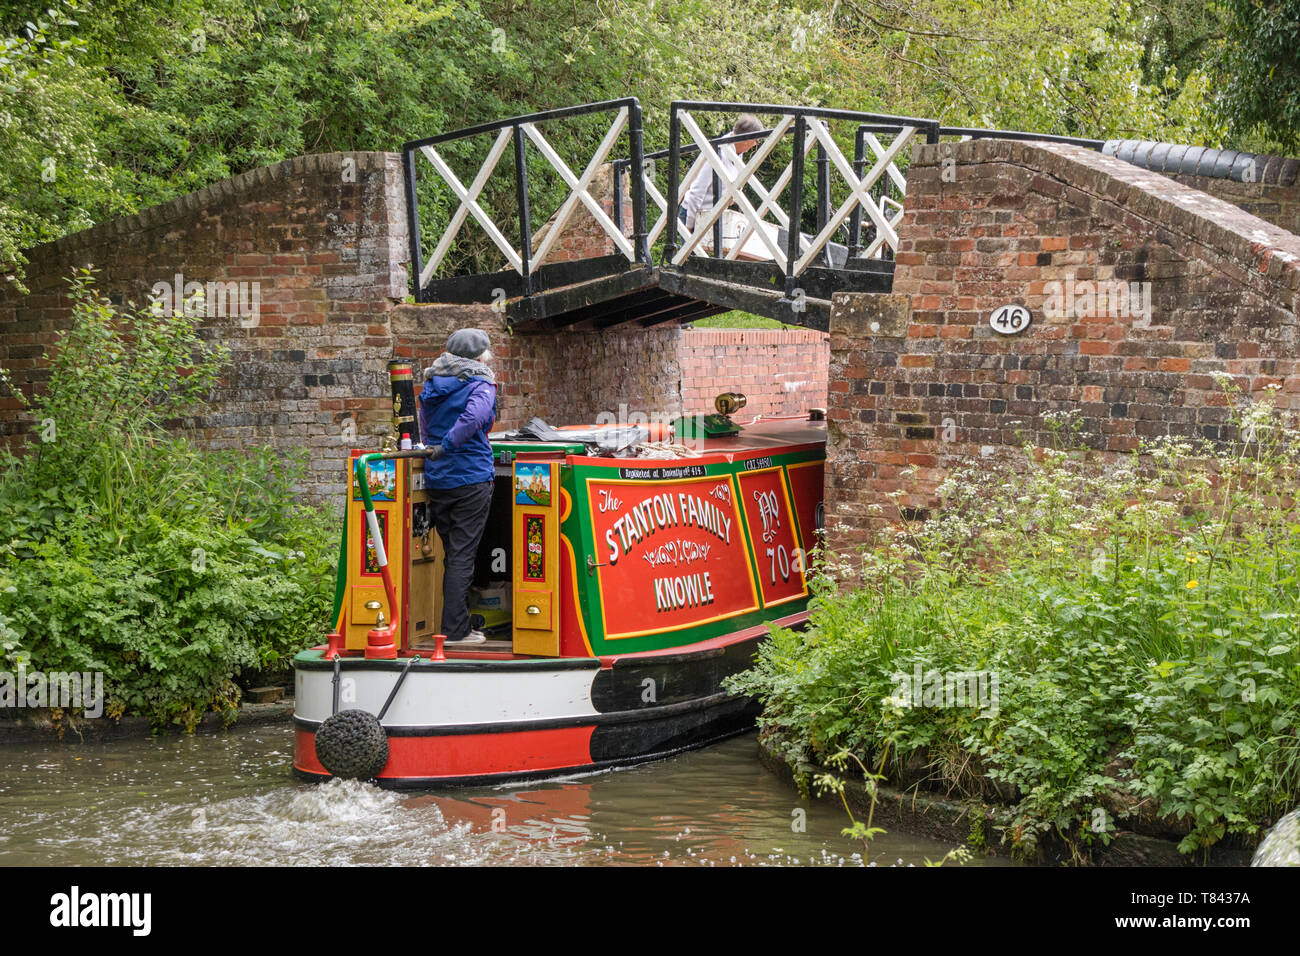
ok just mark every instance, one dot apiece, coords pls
pixel 755 246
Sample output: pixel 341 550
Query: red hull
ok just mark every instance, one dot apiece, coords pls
pixel 517 753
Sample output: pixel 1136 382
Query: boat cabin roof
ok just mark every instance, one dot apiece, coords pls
pixel 773 434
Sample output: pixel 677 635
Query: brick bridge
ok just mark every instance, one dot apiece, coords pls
pixel 905 250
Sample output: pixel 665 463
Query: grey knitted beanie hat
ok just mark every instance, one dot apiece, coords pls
pixel 468 343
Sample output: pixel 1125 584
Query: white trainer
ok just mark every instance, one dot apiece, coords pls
pixel 473 637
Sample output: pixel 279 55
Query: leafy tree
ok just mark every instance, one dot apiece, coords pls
pixel 1262 71
pixel 53 179
pixel 1073 67
pixel 108 106
pixel 1179 35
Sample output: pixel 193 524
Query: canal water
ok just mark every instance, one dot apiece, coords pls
pixel 230 800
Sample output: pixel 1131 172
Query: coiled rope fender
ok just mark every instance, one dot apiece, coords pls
pixel 353 743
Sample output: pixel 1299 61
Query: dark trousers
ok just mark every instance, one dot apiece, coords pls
pixel 459 514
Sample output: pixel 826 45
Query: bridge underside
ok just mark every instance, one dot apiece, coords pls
pixel 604 292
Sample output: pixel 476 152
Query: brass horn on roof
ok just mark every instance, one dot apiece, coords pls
pixel 728 403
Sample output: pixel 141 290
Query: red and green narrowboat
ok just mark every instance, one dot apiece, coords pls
pixel 617 593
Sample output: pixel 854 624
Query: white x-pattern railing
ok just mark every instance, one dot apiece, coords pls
pixel 884 214
pixel 579 194
pixel 762 211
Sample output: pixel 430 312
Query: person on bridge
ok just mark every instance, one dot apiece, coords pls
pixel 700 196
pixel 458 404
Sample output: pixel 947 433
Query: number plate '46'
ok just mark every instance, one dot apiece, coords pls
pixel 1009 319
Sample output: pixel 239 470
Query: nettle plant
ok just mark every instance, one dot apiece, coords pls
pixel 127 548
pixel 1140 615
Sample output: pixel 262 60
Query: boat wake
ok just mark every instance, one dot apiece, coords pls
pixel 1281 845
pixel 342 801
pixel 335 823
pixel 339 822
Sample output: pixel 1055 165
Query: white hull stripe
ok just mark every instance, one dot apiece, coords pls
pixel 430 698
pixel 652 712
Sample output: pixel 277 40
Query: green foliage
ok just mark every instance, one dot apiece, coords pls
pixel 127 549
pixel 110 106
pixel 1182 36
pixel 117 105
pixel 832 783
pixel 978 838
pixel 1262 70
pixel 1139 619
pixel 739 320
pixel 53 179
pixel 1072 67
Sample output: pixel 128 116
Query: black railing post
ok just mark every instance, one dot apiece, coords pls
pixel 413 221
pixel 717 223
pixel 521 196
pixel 674 175
pixel 880 190
pixel 635 142
pixel 796 206
pixel 823 187
pixel 859 167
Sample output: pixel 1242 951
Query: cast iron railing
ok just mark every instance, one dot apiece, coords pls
pixel 868 217
pixel 516 132
pixel 809 127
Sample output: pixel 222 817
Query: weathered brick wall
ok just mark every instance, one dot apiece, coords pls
pixel 919 381
pixel 577 376
pixel 323 236
pixel 563 377
pixel 1274 196
pixel 325 239
pixel 781 371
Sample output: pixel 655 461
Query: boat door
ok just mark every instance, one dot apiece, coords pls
pixel 535 551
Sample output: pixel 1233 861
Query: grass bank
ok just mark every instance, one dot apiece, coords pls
pixel 1091 645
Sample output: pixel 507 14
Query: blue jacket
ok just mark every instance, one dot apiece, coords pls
pixel 457 414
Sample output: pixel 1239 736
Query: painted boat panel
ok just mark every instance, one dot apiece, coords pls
pixel 620 608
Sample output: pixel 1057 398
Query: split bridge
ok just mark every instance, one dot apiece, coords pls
pixel 646 267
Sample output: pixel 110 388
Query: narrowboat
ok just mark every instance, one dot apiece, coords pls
pixel 616 591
